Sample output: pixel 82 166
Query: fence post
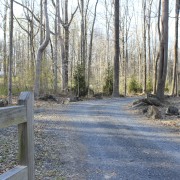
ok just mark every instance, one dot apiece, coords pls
pixel 26 134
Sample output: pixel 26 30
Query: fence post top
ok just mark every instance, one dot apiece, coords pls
pixel 25 95
pixel 26 98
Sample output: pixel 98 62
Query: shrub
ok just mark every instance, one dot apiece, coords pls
pixel 108 87
pixel 149 87
pixel 79 82
pixel 134 86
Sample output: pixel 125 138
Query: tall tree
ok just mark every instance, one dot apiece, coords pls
pixel 40 52
pixel 5 45
pixel 108 15
pixel 55 55
pixel 149 38
pixel 175 69
pixel 155 64
pixel 116 50
pixel 81 7
pixel 10 52
pixel 163 51
pixel 91 45
pixel 144 41
pixel 66 24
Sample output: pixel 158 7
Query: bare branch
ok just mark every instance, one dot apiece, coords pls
pixel 72 16
pixel 21 26
pixel 28 10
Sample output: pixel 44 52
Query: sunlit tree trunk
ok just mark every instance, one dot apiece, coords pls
pixel 144 41
pixel 91 46
pixel 5 46
pixel 10 52
pixel 149 39
pixel 175 68
pixel 163 51
pixel 55 57
pixel 116 49
pixel 40 52
pixel 155 68
pixel 65 61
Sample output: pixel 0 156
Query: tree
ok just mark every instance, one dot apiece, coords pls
pixel 66 24
pixel 155 65
pixel 144 39
pixel 163 51
pixel 83 40
pixel 10 52
pixel 116 49
pixel 91 45
pixel 149 38
pixel 55 56
pixel 5 45
pixel 175 69
pixel 30 39
pixel 40 52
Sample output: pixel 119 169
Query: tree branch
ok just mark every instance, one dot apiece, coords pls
pixel 72 16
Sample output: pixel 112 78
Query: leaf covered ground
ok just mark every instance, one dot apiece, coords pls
pixel 55 146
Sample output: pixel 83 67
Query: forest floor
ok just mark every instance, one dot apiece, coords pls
pixel 167 120
pixel 57 150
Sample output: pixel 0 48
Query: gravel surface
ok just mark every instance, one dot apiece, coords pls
pixel 97 139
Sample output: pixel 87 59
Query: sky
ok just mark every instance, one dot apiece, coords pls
pixel 100 21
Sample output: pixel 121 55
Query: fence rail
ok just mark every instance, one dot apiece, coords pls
pixel 21 115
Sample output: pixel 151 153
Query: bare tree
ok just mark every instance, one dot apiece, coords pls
pixel 10 52
pixel 108 15
pixel 66 24
pixel 163 51
pixel 127 23
pixel 155 64
pixel 55 57
pixel 5 45
pixel 175 69
pixel 91 45
pixel 40 51
pixel 144 41
pixel 149 38
pixel 116 49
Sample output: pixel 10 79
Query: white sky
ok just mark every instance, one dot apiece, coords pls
pixel 100 21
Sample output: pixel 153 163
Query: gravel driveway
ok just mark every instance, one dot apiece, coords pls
pixel 101 139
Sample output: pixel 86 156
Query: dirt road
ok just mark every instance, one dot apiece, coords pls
pixel 103 140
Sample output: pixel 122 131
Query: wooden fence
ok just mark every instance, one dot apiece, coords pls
pixel 21 115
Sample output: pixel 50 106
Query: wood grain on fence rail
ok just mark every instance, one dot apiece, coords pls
pixel 17 173
pixel 13 115
pixel 21 115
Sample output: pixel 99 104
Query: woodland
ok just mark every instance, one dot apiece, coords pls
pixel 83 47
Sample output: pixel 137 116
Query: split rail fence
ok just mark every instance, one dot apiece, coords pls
pixel 22 116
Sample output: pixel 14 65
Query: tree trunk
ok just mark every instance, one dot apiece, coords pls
pixel 144 39
pixel 116 49
pixel 61 42
pixel 163 51
pixel 55 47
pixel 158 53
pixel 90 46
pixel 66 43
pixel 40 52
pixel 5 46
pixel 10 52
pixel 65 60
pixel 82 35
pixel 155 72
pixel 149 40
pixel 175 68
